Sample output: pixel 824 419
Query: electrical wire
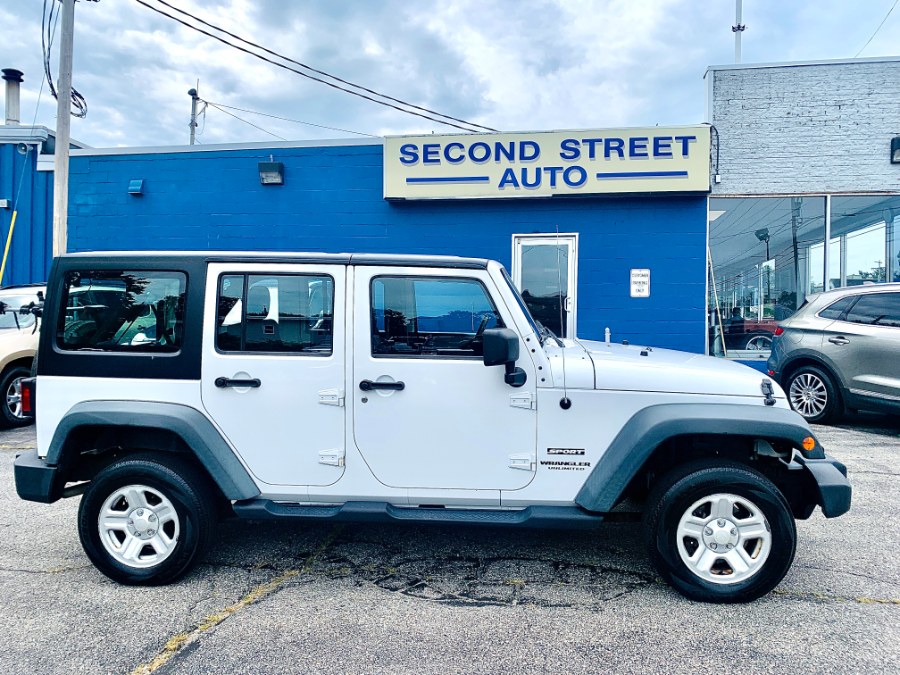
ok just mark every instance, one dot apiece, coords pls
pixel 241 119
pixel 48 30
pixel 468 128
pixel 322 72
pixel 877 29
pixel 288 119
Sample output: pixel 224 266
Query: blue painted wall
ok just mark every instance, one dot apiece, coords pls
pixel 332 201
pixel 32 243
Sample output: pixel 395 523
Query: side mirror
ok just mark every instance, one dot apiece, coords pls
pixel 501 348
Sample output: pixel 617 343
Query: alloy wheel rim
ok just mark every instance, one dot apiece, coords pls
pixel 808 394
pixel 724 539
pixel 139 526
pixel 759 343
pixel 14 398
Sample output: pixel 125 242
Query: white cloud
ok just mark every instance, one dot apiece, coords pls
pixel 532 64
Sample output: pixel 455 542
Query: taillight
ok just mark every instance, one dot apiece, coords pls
pixel 779 331
pixel 27 395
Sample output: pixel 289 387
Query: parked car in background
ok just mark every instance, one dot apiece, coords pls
pixel 841 351
pixel 18 344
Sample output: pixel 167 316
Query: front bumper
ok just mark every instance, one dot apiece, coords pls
pixel 833 489
pixel 36 480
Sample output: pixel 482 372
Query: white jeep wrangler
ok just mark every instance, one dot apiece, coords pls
pixel 173 388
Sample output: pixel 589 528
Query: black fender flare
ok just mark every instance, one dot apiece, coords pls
pixel 648 428
pixel 193 427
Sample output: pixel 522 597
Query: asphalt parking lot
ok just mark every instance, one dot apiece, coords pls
pixel 276 598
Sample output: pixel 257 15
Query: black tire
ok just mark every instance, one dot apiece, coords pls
pixel 8 415
pixel 670 500
pixel 186 488
pixel 814 379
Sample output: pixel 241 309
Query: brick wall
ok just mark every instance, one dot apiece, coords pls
pixel 806 128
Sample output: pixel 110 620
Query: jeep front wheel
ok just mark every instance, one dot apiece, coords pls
pixel 146 519
pixel 720 533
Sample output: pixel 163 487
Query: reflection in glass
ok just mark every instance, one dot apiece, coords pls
pixel 545 285
pixel 767 256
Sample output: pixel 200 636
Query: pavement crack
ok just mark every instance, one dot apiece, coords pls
pixel 177 643
pixel 828 597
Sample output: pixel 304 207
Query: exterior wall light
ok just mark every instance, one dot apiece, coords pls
pixel 271 173
pixel 136 187
pixel 895 150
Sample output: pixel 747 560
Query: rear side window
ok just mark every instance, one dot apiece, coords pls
pixel 877 309
pixel 837 309
pixel 284 313
pixel 122 311
pixel 434 317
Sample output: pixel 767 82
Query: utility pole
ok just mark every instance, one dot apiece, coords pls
pixel 737 29
pixel 194 98
pixel 63 124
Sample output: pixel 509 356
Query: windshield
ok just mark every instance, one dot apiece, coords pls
pixel 522 305
pixel 11 306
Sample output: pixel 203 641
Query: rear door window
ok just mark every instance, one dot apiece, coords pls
pixel 122 311
pixel 877 309
pixel 283 313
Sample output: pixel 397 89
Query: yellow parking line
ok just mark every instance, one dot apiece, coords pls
pixel 178 642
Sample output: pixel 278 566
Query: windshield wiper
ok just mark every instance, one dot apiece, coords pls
pixel 547 333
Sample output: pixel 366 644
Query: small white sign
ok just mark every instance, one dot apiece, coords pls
pixel 640 283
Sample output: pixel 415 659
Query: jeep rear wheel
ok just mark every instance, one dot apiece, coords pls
pixel 721 533
pixel 147 519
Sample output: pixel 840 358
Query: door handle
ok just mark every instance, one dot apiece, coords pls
pixel 222 382
pixel 369 385
pixel 839 340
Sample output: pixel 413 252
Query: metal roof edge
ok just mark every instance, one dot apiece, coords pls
pixel 800 64
pixel 224 147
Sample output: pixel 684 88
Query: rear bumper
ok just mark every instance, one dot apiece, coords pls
pixel 36 480
pixel 833 489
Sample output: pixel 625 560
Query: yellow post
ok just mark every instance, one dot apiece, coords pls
pixel 12 226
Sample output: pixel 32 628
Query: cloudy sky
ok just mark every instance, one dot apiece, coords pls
pixel 523 65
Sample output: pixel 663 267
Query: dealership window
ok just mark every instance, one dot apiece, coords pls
pixel 768 255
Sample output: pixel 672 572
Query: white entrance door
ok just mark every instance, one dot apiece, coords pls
pixel 427 412
pixel 545 272
pixel 273 368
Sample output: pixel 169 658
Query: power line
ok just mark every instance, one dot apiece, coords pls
pixel 322 72
pixel 877 29
pixel 307 75
pixel 288 119
pixel 244 121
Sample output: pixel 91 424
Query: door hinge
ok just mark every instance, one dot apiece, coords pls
pixel 332 397
pixel 332 457
pixel 523 400
pixel 524 462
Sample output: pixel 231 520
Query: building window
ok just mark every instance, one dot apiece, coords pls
pixel 768 255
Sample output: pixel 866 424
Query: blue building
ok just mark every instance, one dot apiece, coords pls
pixel 625 251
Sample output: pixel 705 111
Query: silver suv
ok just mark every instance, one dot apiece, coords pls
pixel 841 351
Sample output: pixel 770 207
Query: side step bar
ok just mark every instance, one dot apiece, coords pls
pixel 568 517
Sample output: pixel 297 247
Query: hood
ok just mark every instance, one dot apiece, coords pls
pixel 632 368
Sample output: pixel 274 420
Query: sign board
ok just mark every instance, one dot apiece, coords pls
pixel 547 163
pixel 640 283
